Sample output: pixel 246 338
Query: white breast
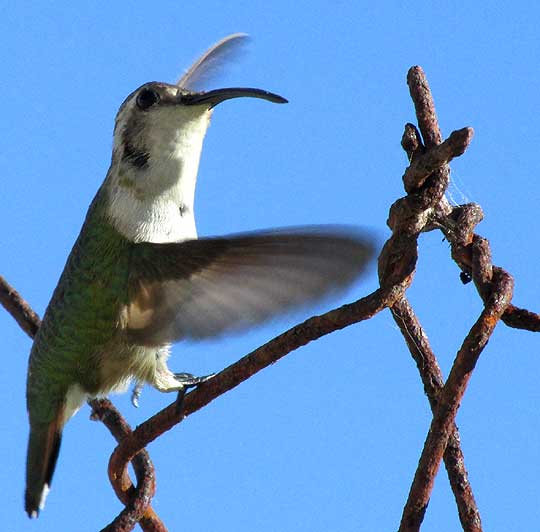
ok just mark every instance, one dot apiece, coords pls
pixel 159 220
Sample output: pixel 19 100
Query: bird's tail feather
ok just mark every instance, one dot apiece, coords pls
pixel 43 449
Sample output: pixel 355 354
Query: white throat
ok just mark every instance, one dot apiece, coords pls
pixel 157 220
pixel 155 203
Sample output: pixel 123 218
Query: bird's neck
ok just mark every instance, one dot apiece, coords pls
pixel 155 204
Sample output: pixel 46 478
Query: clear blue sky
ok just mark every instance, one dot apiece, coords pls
pixel 328 438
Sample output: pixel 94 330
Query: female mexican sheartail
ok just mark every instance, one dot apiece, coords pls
pixel 138 278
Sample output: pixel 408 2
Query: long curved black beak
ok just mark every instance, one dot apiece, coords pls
pixel 217 96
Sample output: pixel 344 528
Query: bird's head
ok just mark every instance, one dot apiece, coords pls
pixel 160 128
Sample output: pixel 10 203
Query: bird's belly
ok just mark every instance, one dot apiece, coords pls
pixel 75 398
pixel 118 367
pixel 121 364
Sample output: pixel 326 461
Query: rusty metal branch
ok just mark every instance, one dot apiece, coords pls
pixel 470 249
pixel 473 254
pixel 135 499
pixel 19 309
pixel 423 166
pixel 520 318
pixel 450 399
pixel 425 181
pixel 432 378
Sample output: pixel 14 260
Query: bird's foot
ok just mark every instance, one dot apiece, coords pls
pixel 136 393
pixel 187 381
pixel 181 382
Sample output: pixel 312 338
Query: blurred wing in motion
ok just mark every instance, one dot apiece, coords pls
pixel 212 62
pixel 202 288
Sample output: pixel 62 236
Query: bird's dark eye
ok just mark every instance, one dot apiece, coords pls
pixel 146 98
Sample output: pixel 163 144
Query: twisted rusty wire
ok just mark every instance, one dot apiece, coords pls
pixel 136 500
pixel 424 208
pixel 425 181
pixel 494 285
pixel 432 379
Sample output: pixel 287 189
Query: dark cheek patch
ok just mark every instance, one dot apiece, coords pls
pixel 136 157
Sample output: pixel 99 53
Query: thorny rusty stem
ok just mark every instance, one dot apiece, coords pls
pixel 432 378
pixel 450 399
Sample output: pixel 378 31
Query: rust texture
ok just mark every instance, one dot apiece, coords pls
pixel 424 208
pixel 449 401
pixel 19 309
pixel 432 379
pixel 136 499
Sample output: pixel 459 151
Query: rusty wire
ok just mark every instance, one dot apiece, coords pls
pixel 136 499
pixel 432 379
pixel 424 208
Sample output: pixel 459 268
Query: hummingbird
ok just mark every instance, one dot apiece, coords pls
pixel 139 279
